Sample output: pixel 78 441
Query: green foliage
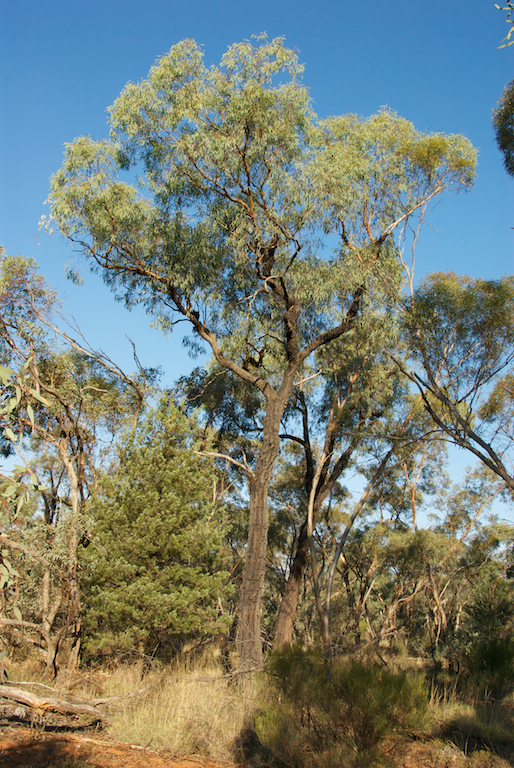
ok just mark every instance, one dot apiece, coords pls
pixel 23 294
pixel 8 595
pixel 461 335
pixel 154 573
pixel 484 642
pixel 238 182
pixel 464 327
pixel 501 400
pixel 503 125
pixel 61 405
pixel 315 721
pixel 53 386
pixel 238 178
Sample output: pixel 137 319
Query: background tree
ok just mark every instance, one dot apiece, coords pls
pixel 482 645
pixel 67 402
pixel 461 335
pixel 503 115
pixel 241 180
pixel 156 568
pixel 503 125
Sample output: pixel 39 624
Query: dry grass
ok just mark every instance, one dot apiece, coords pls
pixel 185 710
pixel 188 708
pixel 474 726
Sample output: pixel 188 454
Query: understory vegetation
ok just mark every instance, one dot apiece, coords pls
pixel 291 714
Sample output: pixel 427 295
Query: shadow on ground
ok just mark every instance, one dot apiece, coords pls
pixel 40 754
pixel 489 729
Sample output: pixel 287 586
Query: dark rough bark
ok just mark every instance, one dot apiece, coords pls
pixel 248 638
pixel 286 616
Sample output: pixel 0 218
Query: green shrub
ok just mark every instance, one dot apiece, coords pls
pixel 484 645
pixel 312 720
pixel 155 573
pixel 490 667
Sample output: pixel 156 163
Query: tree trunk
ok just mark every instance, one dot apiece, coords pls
pixel 45 704
pixel 288 608
pixel 286 616
pixel 248 637
pixel 74 617
pixel 74 657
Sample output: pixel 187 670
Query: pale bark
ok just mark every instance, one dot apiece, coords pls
pixel 45 704
pixel 323 612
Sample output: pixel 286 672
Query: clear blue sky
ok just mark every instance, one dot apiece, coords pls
pixel 62 63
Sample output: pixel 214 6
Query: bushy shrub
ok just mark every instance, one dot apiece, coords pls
pixel 314 719
pixel 155 575
pixel 484 646
pixel 489 667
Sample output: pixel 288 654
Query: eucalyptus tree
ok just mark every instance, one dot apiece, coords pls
pixel 424 569
pixel 461 335
pixel 238 182
pixel 503 125
pixel 503 115
pixel 332 418
pixel 325 429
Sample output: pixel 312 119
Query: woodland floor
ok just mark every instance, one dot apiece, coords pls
pixel 21 747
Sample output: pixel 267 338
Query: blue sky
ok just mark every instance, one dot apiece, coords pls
pixel 62 63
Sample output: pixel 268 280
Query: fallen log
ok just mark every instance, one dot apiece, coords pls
pixel 45 704
pixel 13 712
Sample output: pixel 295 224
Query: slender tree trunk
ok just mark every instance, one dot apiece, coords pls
pixel 288 608
pixel 74 617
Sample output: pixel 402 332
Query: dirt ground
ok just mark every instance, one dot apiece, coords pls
pixel 22 748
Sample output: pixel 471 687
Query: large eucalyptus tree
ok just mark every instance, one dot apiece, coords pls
pixel 239 182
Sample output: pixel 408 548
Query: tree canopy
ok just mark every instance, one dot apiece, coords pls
pixel 503 124
pixel 62 404
pixel 461 336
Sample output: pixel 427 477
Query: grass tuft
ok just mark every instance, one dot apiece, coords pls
pixel 187 710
